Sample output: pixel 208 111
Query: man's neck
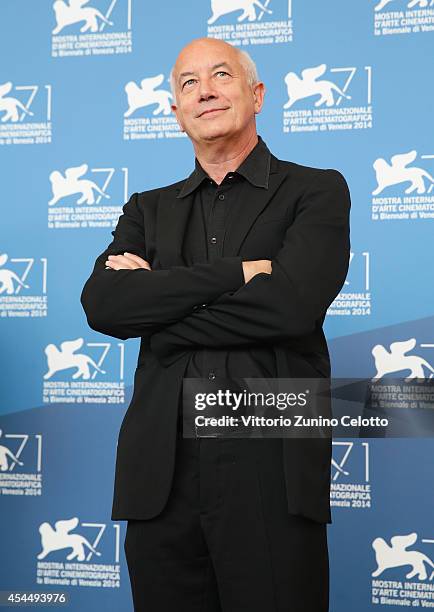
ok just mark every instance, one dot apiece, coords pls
pixel 219 158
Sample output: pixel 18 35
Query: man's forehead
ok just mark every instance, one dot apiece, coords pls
pixel 204 57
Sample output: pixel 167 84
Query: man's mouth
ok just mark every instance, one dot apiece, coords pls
pixel 211 111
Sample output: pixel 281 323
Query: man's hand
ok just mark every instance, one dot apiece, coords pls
pixel 258 266
pixel 127 261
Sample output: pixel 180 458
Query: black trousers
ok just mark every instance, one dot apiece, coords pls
pixel 225 541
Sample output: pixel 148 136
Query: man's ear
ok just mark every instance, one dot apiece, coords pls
pixel 258 94
pixel 175 110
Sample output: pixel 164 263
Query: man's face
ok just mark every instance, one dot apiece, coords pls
pixel 214 98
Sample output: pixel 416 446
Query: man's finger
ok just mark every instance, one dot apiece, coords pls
pixel 142 262
pixel 122 262
pixel 118 262
pixel 121 266
pixel 121 259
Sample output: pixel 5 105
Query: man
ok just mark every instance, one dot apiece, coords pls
pixel 227 273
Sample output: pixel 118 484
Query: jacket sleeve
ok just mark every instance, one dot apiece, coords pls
pixel 307 274
pixel 132 303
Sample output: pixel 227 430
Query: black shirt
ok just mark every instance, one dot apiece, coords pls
pixel 204 243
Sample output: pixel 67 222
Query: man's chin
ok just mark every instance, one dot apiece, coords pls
pixel 214 132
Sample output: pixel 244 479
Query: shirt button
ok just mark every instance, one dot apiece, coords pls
pixel 211 375
pixel 221 196
pixel 213 240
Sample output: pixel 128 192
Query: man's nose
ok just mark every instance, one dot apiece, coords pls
pixel 206 89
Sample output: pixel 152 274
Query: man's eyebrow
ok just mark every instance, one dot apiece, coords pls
pixel 188 73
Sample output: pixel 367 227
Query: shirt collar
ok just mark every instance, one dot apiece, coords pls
pixel 255 168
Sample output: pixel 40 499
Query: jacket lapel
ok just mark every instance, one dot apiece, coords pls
pixel 173 213
pixel 172 217
pixel 242 217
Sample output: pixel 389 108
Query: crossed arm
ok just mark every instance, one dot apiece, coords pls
pixel 307 274
pixel 131 302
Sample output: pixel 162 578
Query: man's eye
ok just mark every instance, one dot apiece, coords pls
pixel 222 72
pixel 187 82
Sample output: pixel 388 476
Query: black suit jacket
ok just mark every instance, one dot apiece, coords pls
pixel 301 222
